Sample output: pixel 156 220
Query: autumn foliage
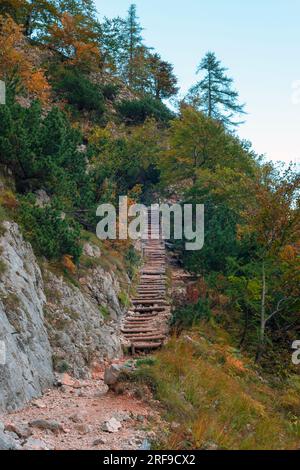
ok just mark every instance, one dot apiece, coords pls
pixel 76 41
pixel 18 61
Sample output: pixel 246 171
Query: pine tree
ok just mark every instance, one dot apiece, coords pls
pixel 214 93
pixel 133 41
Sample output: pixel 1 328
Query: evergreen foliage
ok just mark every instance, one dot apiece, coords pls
pixel 214 93
pixel 51 235
pixel 137 111
pixel 80 92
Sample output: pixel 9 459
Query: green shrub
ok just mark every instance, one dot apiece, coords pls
pixel 191 314
pixel 123 299
pixel 110 91
pixel 132 261
pixel 60 365
pixel 137 111
pixel 42 152
pixel 104 311
pixel 50 235
pixel 80 92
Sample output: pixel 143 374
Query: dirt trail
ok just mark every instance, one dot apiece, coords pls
pixel 76 411
pixel 79 411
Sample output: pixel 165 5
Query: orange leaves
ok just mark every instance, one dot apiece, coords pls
pixel 234 362
pixel 288 253
pixel 11 41
pixel 17 61
pixel 86 54
pixel 36 84
pixel 69 264
pixel 77 41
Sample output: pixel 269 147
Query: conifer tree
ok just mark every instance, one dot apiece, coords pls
pixel 214 94
pixel 133 41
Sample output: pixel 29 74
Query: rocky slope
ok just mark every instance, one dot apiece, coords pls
pixel 44 320
pixel 27 370
pixel 78 333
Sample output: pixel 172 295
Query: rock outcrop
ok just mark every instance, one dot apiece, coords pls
pixel 26 366
pixel 47 322
pixel 78 333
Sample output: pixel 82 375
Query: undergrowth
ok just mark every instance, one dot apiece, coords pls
pixel 219 398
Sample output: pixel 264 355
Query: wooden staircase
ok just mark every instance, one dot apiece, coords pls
pixel 146 323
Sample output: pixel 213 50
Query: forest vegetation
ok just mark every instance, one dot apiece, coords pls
pixel 93 113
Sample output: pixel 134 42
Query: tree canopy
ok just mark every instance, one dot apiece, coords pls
pixel 214 94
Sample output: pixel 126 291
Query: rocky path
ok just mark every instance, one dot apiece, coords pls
pixel 80 415
pixel 145 325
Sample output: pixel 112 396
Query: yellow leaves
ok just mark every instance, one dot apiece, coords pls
pixel 273 216
pixel 17 58
pixel 100 135
pixel 288 253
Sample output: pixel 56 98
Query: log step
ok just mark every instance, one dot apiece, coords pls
pixel 148 302
pixel 146 345
pixel 147 338
pixel 155 310
pixel 137 330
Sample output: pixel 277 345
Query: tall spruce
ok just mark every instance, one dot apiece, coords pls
pixel 214 94
pixel 133 41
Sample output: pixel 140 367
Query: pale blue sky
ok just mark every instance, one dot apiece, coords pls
pixel 258 40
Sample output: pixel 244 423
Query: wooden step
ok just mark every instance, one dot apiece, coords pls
pixel 146 345
pixel 147 338
pixel 155 310
pixel 136 330
pixel 149 302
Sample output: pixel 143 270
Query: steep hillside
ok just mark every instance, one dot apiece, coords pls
pixel 215 398
pixel 91 113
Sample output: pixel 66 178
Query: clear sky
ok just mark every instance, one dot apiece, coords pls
pixel 258 40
